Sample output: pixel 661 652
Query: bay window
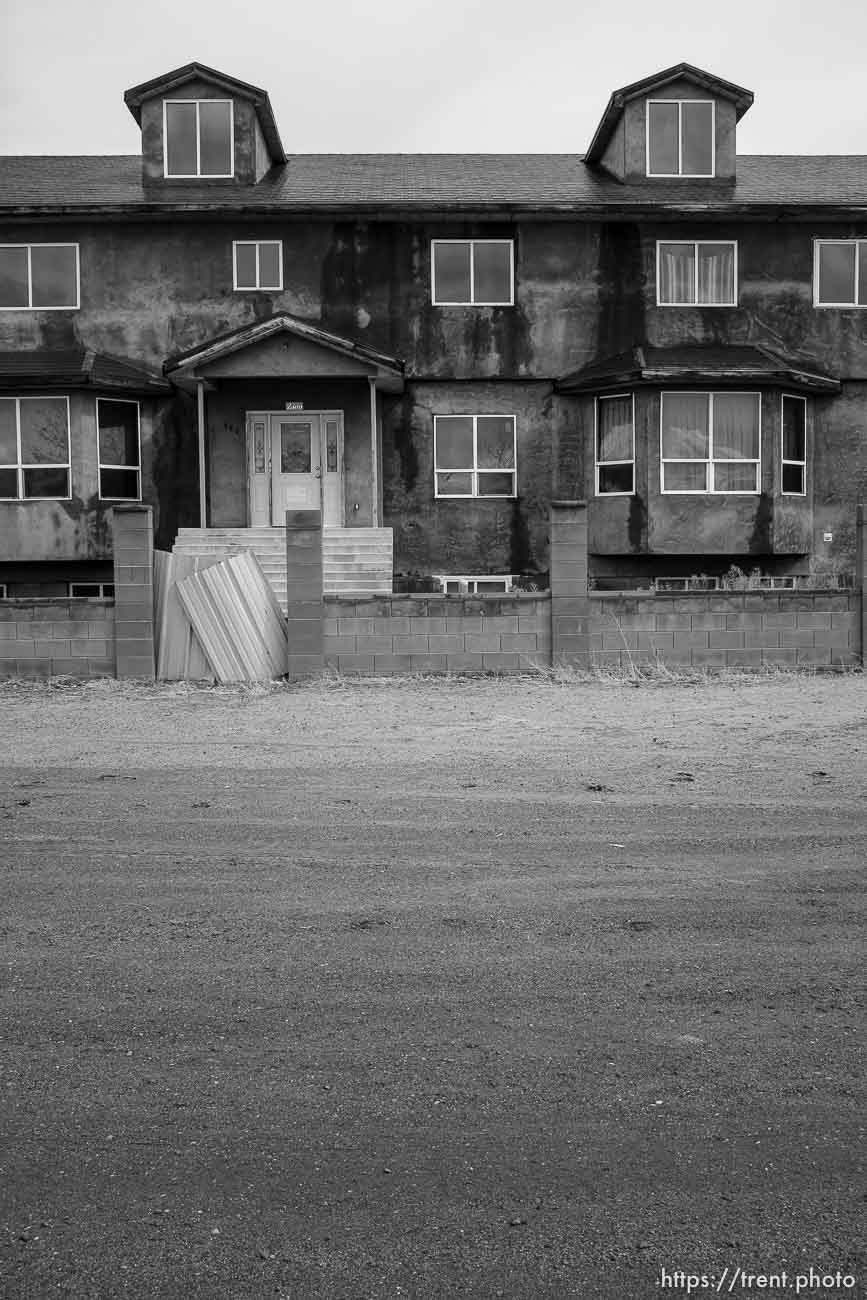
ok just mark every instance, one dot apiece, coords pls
pixel 615 445
pixel 710 442
pixel 34 448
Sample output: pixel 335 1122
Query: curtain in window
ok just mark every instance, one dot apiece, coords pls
pixel 615 429
pixel 676 273
pixel 716 273
pixel 685 426
pixel 736 426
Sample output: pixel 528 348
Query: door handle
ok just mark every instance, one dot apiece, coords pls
pixel 318 471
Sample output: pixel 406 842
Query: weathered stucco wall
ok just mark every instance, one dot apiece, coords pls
pixel 583 290
pixel 467 535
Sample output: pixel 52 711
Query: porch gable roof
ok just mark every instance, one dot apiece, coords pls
pixel 200 362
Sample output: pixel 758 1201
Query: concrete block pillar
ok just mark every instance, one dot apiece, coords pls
pixel 133 531
pixel 570 603
pixel 304 603
pixel 861 577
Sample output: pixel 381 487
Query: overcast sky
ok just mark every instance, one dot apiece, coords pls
pixel 431 75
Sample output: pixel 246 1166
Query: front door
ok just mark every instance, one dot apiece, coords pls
pixel 296 464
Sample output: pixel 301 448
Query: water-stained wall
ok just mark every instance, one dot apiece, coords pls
pixel 466 535
pixel 583 290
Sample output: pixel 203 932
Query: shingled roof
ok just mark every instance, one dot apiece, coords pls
pixel 76 368
pixel 698 363
pixel 483 183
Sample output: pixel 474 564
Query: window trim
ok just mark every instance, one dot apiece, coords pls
pixel 709 461
pixel 721 243
pixel 21 467
pixel 101 465
pixel 474 470
pixel 437 302
pixel 680 173
pixel 607 397
pixel 848 306
pixel 76 306
pixel 258 287
pixel 792 397
pixel 199 174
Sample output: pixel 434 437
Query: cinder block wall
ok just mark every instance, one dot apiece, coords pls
pixel 57 637
pixel 747 629
pixel 726 629
pixel 400 634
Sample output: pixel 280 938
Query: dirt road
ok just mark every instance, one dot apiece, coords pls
pixel 431 990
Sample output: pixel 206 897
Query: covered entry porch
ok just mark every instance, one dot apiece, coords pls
pixel 289 417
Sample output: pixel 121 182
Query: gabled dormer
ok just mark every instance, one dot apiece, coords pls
pixel 199 125
pixel 676 125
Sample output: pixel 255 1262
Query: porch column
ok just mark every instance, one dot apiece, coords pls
pixel 200 404
pixel 374 457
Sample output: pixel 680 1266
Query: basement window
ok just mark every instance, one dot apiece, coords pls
pixel 710 442
pixel 258 264
pixel 119 450
pixel 39 276
pixel 199 137
pixel 455 584
pixel 615 445
pixel 34 448
pixel 794 467
pixel 696 274
pixel 91 590
pixel 680 137
pixel 840 273
pixel 474 455
pixel 472 272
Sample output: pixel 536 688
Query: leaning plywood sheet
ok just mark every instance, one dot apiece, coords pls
pixel 234 614
pixel 180 656
pixel 162 567
pixel 263 608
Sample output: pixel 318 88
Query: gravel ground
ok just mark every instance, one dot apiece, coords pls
pixel 432 989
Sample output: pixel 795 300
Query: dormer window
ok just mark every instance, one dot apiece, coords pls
pixel 680 137
pixel 199 137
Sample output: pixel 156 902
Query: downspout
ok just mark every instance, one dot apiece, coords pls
pixel 200 402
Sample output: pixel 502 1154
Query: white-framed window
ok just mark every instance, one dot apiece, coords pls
pixel 91 590
pixel 118 423
pixel 474 455
pixel 681 137
pixel 710 442
pixel 472 272
pixel 199 137
pixel 257 264
pixel 794 446
pixel 696 273
pixel 615 445
pixel 840 272
pixel 469 584
pixel 39 277
pixel 34 449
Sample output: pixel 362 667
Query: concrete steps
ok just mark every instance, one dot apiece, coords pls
pixel 355 561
